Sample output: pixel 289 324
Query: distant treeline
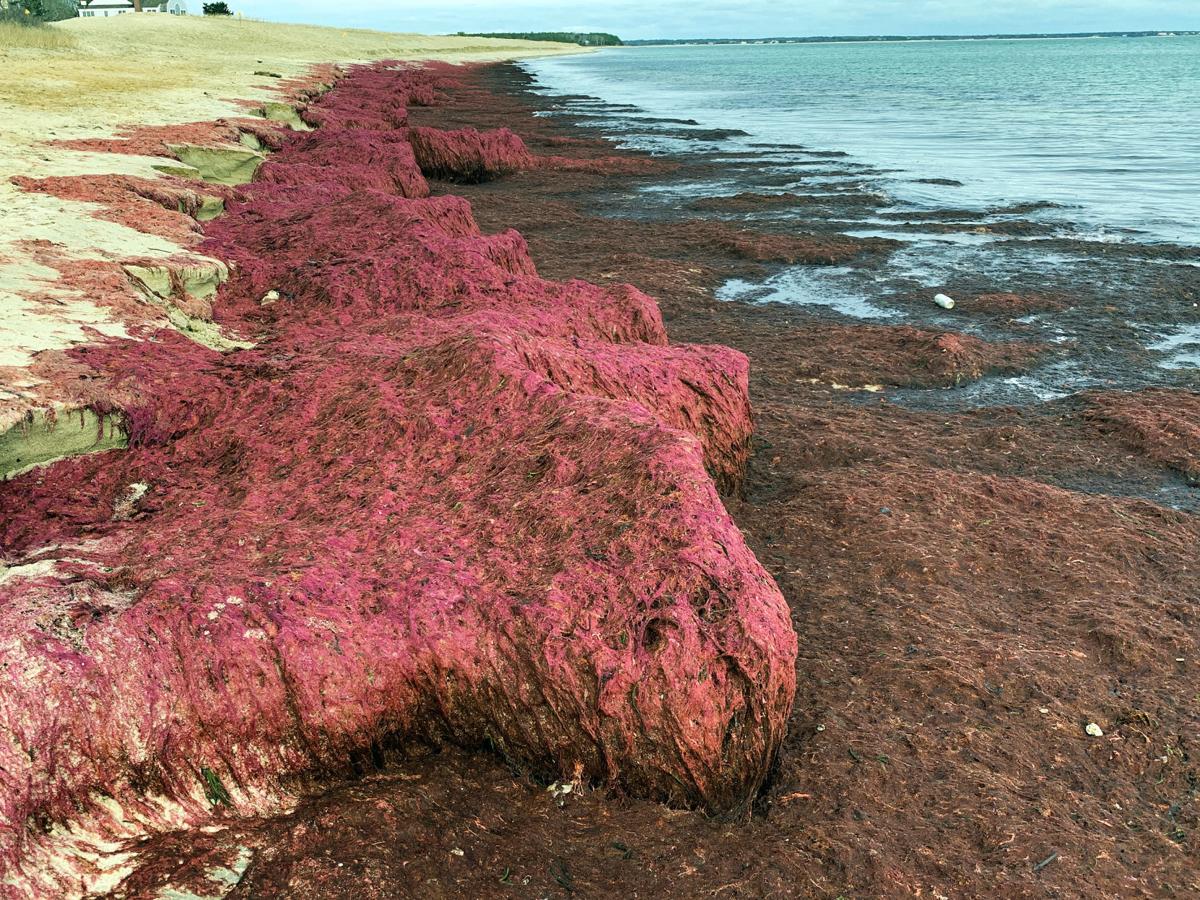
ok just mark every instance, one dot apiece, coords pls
pixel 835 39
pixel 590 39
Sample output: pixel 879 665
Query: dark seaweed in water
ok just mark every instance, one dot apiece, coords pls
pixel 1126 302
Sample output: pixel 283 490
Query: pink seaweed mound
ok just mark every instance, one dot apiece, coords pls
pixel 380 97
pixel 441 499
pixel 468 156
pixel 357 158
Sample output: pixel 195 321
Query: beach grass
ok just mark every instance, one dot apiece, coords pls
pixel 16 35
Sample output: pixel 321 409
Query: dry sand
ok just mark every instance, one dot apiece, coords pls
pixel 126 71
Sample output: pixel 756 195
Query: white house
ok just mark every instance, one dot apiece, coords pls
pixel 102 8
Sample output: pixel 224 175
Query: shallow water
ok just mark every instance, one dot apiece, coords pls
pixel 1071 169
pixel 1107 127
pixel 1182 344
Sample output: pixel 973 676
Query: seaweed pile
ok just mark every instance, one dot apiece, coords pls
pixel 423 494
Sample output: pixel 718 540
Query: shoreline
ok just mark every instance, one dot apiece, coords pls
pixel 1112 315
pixel 944 588
pixel 933 575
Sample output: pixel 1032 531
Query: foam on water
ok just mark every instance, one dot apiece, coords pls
pixel 806 287
pixel 1183 345
pixel 1046 384
pixel 960 237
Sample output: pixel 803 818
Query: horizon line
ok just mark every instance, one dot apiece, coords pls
pixel 1029 35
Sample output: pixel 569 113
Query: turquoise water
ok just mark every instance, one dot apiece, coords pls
pixel 1108 129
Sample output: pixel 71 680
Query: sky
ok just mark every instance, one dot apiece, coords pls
pixel 737 18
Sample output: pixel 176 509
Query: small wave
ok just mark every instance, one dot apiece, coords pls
pixel 1183 345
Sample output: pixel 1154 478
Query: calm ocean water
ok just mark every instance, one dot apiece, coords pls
pixel 1057 168
pixel 1108 128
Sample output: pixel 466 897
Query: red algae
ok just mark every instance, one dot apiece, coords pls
pixel 886 355
pixel 779 248
pixel 1161 424
pixel 271 135
pixel 356 158
pixel 964 616
pixel 467 155
pixel 106 284
pixel 1011 303
pixel 156 140
pixel 315 81
pixel 443 499
pixel 380 98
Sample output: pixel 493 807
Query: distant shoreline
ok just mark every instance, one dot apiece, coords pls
pixel 899 39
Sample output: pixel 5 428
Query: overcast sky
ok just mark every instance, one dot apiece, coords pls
pixel 736 18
